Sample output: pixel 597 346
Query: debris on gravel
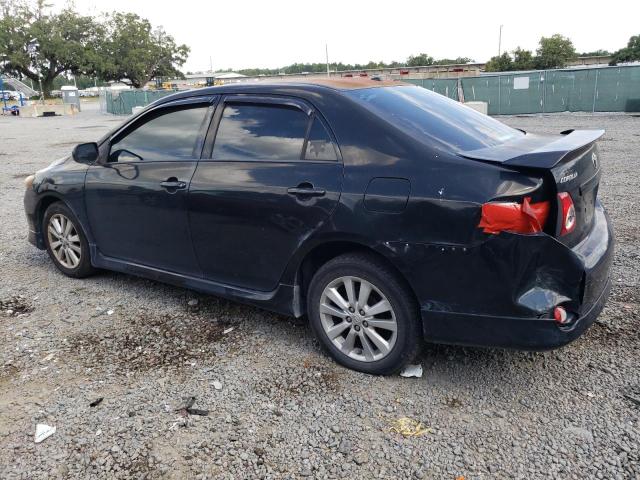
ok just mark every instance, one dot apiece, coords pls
pixel 279 408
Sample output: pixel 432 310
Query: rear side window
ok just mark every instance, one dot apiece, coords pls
pixel 424 114
pixel 171 134
pixel 319 144
pixel 260 132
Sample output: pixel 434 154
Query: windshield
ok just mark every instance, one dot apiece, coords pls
pixel 423 113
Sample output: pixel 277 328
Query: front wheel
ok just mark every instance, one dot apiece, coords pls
pixel 66 242
pixel 364 314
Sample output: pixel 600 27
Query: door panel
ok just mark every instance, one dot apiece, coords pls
pixel 136 197
pixel 134 218
pixel 246 226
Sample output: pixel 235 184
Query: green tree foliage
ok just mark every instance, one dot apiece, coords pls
pixel 503 63
pixel 417 60
pixel 61 42
pixel 422 59
pixel 554 52
pixel 453 61
pixel 595 53
pixel 134 52
pixel 523 59
pixel 628 54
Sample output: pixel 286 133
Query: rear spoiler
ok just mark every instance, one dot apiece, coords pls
pixel 536 151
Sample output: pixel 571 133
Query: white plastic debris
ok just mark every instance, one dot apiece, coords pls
pixel 109 312
pixel 412 371
pixel 228 330
pixel 43 432
pixel 217 384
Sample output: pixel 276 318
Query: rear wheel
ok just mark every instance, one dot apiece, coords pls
pixel 363 314
pixel 66 242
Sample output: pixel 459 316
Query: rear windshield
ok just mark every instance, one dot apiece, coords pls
pixel 423 113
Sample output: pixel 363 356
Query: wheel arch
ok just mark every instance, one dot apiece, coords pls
pixel 321 253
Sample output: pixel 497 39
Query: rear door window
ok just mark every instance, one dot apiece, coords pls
pixel 319 144
pixel 260 132
pixel 169 134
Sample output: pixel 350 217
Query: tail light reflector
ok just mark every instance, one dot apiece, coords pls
pixel 560 315
pixel 525 217
pixel 568 210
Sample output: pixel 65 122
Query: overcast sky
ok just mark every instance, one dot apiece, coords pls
pixel 272 33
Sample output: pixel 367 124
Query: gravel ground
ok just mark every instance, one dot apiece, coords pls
pixel 278 407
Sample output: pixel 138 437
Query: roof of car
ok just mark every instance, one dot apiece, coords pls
pixel 343 83
pixel 311 85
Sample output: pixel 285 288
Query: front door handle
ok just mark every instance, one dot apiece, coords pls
pixel 172 184
pixel 306 189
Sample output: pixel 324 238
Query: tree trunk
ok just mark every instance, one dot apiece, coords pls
pixel 47 86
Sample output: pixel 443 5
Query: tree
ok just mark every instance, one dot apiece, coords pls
pixel 37 44
pixel 596 53
pixel 523 59
pixel 503 63
pixel 134 52
pixel 453 61
pixel 628 54
pixel 554 52
pixel 419 60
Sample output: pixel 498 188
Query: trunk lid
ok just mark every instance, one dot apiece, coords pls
pixel 569 162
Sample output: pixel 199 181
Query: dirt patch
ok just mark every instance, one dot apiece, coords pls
pixel 149 342
pixel 15 305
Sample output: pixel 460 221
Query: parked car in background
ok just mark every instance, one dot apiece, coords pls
pixel 9 95
pixel 385 213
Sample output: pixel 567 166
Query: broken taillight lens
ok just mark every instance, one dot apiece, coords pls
pixel 568 217
pixel 525 217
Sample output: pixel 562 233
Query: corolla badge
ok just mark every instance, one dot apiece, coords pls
pixel 568 176
pixel 594 159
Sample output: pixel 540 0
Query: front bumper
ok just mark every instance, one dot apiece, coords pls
pixel 502 293
pixel 31 211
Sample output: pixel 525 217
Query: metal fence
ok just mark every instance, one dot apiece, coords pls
pixel 605 89
pixel 121 102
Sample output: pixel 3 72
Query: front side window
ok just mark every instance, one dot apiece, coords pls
pixel 260 132
pixel 171 134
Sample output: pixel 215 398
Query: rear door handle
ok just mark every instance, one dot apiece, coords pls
pixel 173 184
pixel 306 189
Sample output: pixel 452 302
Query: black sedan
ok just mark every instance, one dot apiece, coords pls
pixel 385 213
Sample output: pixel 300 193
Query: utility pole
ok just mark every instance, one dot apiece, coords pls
pixel 500 41
pixel 210 64
pixel 326 52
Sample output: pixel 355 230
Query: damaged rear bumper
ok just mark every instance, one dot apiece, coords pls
pixel 508 332
pixel 502 292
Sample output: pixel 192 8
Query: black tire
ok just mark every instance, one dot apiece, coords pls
pixel 83 268
pixel 369 268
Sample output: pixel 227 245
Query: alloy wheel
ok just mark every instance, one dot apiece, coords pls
pixel 358 319
pixel 64 241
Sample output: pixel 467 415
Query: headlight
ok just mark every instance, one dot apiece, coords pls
pixel 28 182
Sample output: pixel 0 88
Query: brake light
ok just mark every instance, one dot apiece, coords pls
pixel 525 217
pixel 568 218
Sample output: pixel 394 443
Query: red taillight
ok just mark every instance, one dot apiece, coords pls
pixel 525 217
pixel 568 217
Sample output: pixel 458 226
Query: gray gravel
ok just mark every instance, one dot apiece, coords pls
pixel 278 407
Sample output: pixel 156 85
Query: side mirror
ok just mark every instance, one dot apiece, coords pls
pixel 85 152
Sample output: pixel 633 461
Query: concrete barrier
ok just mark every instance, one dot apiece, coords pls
pixel 38 110
pixel 482 107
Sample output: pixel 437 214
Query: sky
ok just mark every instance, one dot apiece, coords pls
pixel 239 34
